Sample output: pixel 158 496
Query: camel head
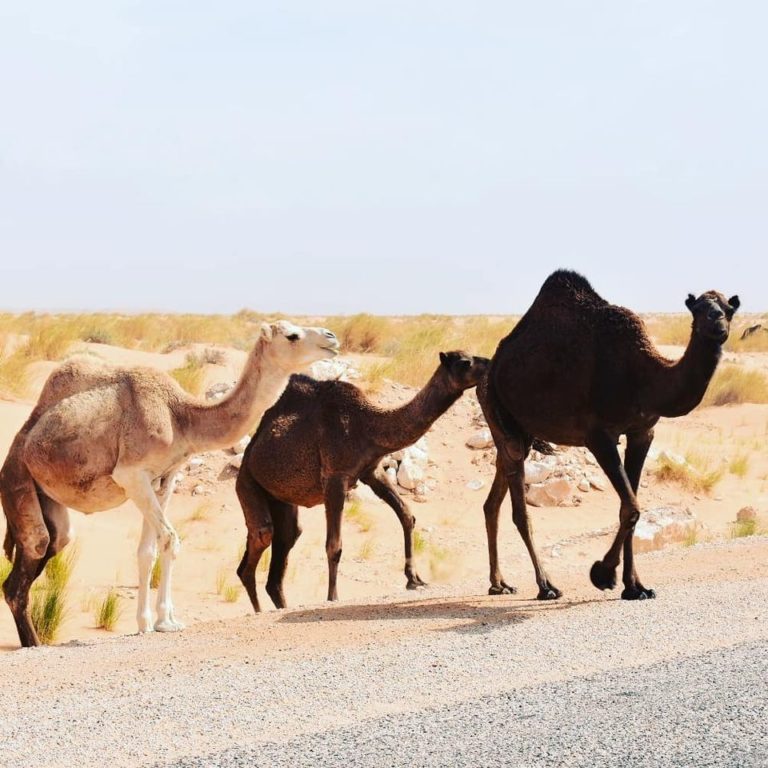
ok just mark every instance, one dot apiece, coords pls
pixel 463 370
pixel 712 314
pixel 294 347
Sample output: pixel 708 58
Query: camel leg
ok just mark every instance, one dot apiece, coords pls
pixel 56 518
pixel 145 555
pixel 166 618
pixel 491 508
pixel 335 493
pixel 285 518
pixel 137 484
pixel 634 458
pixel 32 540
pixel 258 520
pixel 603 446
pixel 381 486
pixel 515 472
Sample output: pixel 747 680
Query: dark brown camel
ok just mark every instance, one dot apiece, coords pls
pixel 577 370
pixel 314 444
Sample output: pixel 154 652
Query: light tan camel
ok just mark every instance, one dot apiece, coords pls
pixel 100 435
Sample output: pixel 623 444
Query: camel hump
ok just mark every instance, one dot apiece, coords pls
pixel 565 285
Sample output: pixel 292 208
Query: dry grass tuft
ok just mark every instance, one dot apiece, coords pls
pixel 48 604
pixel 108 612
pixel 355 513
pixel 5 569
pixel 190 375
pixel 155 574
pixel 733 384
pixel 742 528
pixel 231 593
pixel 739 465
pixel 699 479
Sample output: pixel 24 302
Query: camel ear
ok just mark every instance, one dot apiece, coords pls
pixel 690 301
pixel 735 303
pixel 443 358
pixel 266 332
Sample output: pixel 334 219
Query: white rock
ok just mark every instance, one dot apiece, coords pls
pixel 391 473
pixel 217 391
pixel 418 456
pixel 236 461
pixel 241 444
pixel 198 490
pixel 421 489
pixel 475 485
pixel 481 439
pixel 421 444
pixel 195 462
pixel 337 369
pixel 537 472
pixel 659 527
pixel 409 475
pixel 551 493
pixel 583 485
pixel 398 455
pixel 596 483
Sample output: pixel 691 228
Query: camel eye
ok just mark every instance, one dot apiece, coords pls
pixel 293 337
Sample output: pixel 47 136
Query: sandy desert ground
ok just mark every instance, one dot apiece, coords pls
pixel 450 517
pixel 475 677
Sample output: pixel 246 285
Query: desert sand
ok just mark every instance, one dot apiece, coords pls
pixel 450 517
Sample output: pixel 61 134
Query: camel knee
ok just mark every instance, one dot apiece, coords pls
pixel 169 541
pixel 34 546
pixel 261 538
pixel 334 554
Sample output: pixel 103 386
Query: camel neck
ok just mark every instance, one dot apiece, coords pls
pixel 221 424
pixel 683 384
pixel 403 426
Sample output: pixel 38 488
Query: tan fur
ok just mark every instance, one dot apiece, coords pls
pixel 100 435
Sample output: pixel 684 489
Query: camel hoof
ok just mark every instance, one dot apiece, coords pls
pixel 502 589
pixel 602 576
pixel 168 626
pixel 416 583
pixel 549 593
pixel 638 593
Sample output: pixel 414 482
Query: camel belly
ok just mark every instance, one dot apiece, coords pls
pixel 96 495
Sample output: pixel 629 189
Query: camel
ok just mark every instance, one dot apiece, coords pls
pixel 100 435
pixel 314 444
pixel 577 370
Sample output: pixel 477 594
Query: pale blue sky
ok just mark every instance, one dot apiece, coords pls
pixel 392 157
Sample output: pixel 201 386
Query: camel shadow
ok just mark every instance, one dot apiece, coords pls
pixel 474 615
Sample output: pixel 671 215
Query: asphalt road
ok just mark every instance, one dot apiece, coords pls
pixel 710 710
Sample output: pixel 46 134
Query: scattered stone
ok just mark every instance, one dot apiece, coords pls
pixel 241 444
pixel 409 474
pixel 337 369
pixel 481 439
pixel 537 471
pixel 553 493
pixel 596 483
pixel 236 461
pixel 475 485
pixel 391 473
pixel 662 526
pixel 584 485
pixel 195 462
pixel 746 514
pixel 198 490
pixel 217 391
